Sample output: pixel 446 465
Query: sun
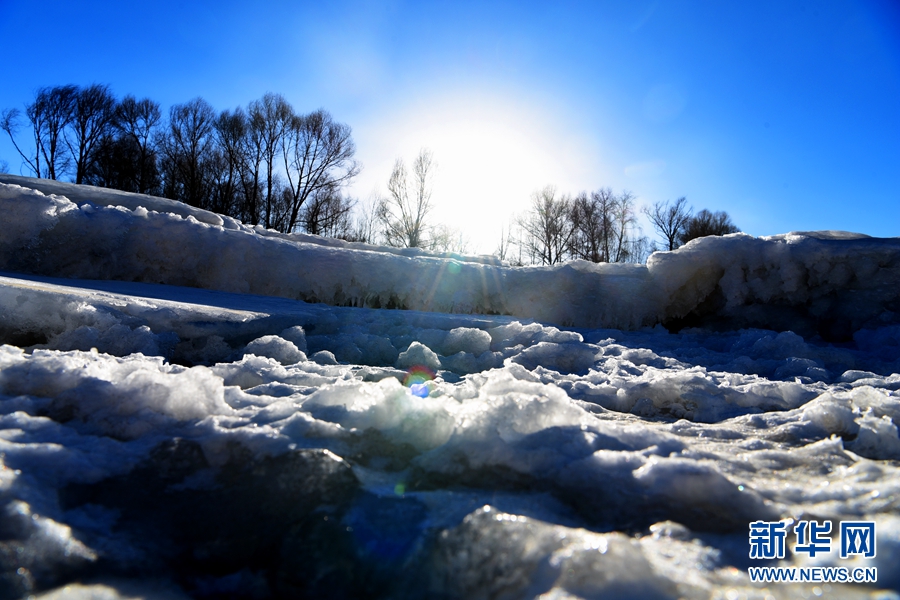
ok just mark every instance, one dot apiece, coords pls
pixel 487 168
pixel 489 163
pixel 492 152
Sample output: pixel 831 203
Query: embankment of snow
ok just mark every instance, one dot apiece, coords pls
pixel 827 283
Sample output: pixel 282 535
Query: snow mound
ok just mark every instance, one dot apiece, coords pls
pixel 827 283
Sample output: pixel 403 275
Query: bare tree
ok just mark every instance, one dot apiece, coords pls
pixel 49 115
pixel 113 163
pixel 139 121
pixel 242 145
pixel 508 241
pixel 269 119
pixel 404 214
pixel 640 248
pixel 9 122
pixel 592 222
pixel 365 225
pixel 121 154
pixel 589 230
pixel 260 165
pixel 623 223
pixel 706 223
pixel 188 152
pixel 548 227
pixel 280 208
pixel 318 156
pixel 93 110
pixel 448 240
pixel 669 219
pixel 231 133
pixel 327 213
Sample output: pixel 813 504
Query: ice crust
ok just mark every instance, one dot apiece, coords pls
pixel 172 441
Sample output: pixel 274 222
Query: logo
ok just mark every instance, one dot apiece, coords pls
pixel 857 539
pixel 812 537
pixel 768 541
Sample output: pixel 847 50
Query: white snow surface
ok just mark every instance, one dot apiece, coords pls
pixel 174 405
pixel 828 283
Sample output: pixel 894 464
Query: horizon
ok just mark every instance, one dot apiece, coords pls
pixel 785 118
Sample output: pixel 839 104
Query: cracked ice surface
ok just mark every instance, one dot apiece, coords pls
pixel 162 440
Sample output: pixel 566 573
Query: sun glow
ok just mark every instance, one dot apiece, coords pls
pixel 491 154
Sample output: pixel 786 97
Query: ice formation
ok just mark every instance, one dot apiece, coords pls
pixel 179 419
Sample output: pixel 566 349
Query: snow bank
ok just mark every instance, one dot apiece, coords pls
pixel 826 283
pixel 830 283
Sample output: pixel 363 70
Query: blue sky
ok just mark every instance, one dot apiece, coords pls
pixel 785 114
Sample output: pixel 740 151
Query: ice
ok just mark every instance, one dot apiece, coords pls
pixel 43 549
pixel 876 437
pixel 296 335
pixel 387 407
pixel 468 340
pixel 418 354
pixel 324 357
pixel 273 346
pixel 833 414
pixel 122 397
pixel 495 554
pixel 190 407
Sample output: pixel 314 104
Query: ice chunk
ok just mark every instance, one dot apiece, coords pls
pixel 324 357
pixel 701 489
pixel 295 334
pixel 565 358
pixel 466 339
pixel 388 407
pixel 119 590
pixel 26 214
pixel 494 554
pixel 877 438
pixel 833 414
pixel 464 363
pixel 418 354
pixel 273 346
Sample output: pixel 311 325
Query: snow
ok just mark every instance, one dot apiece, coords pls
pixel 193 407
pixel 826 284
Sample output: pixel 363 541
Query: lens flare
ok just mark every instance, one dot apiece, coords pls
pixel 417 378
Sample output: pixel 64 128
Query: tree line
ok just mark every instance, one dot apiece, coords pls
pixel 601 226
pixel 265 164
pixel 598 226
pixel 269 165
pixel 677 224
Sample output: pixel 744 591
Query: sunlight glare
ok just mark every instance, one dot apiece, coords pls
pixel 491 154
